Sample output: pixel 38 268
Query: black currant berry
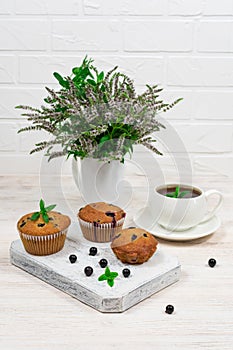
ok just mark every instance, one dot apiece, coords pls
pixel 103 262
pixel 169 309
pixel 72 258
pixel 212 262
pixel 93 251
pixel 88 271
pixel 126 272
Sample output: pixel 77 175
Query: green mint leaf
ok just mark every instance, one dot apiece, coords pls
pixel 113 275
pixel 91 82
pixel 103 89
pixel 104 138
pixel 177 191
pixel 42 205
pixel 45 217
pixel 76 71
pixel 35 216
pixel 107 272
pixel 171 195
pixel 110 282
pixel 64 83
pixel 182 194
pixel 100 77
pixel 102 278
pixel 50 207
pixel 42 212
pixel 90 74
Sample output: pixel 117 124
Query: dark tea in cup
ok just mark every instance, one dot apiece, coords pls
pixel 179 191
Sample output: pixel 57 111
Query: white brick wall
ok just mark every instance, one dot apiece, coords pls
pixel 200 71
pixel 156 35
pixel 186 46
pixel 46 7
pixel 8 69
pixel 215 36
pixel 218 8
pixel 24 35
pixel 124 7
pixel 184 7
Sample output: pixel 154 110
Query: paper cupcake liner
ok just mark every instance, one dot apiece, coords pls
pixel 44 245
pixel 100 232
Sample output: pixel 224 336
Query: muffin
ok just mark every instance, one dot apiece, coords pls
pixel 40 237
pixel 100 221
pixel 134 245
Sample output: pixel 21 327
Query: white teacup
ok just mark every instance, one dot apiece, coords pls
pixel 179 214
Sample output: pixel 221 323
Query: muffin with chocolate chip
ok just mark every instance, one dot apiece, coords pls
pixel 43 232
pixel 100 221
pixel 134 245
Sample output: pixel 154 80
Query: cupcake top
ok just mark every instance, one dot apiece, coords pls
pixel 57 222
pixel 101 213
pixel 135 236
pixel 134 245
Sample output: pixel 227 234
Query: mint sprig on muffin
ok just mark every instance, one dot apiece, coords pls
pixel 43 212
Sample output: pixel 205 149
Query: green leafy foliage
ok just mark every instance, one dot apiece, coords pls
pixel 63 82
pixel 97 115
pixel 43 212
pixel 177 193
pixel 108 276
pixel 35 216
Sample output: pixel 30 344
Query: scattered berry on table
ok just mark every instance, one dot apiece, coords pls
pixel 169 309
pixel 212 262
pixel 93 251
pixel 126 272
pixel 72 258
pixel 88 271
pixel 103 263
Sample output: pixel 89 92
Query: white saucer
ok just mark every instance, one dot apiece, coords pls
pixel 144 219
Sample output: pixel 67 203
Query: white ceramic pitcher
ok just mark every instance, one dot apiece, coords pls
pixel 96 180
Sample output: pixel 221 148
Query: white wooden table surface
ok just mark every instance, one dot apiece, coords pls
pixel 34 315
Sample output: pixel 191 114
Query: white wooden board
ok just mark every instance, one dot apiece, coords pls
pixel 159 272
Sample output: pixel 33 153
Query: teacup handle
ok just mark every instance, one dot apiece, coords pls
pixel 211 213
